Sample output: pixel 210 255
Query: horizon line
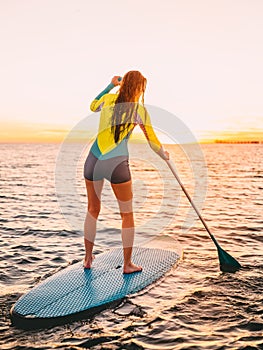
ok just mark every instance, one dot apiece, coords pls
pixel 43 133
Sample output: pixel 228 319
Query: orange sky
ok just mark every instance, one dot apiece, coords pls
pixel 202 59
pixel 26 132
pixel 42 133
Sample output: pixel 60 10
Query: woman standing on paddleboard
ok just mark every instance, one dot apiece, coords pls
pixel 109 159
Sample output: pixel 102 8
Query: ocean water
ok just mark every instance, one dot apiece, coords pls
pixel 195 306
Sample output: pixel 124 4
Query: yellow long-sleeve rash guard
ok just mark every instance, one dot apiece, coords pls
pixel 104 146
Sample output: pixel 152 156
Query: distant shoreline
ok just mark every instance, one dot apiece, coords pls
pixel 239 141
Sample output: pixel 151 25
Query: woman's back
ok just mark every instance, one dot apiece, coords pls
pixel 105 146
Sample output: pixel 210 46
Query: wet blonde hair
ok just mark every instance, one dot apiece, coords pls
pixel 133 84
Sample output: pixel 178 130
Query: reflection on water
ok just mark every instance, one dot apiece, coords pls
pixel 195 306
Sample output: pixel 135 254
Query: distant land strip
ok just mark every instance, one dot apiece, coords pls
pixel 239 141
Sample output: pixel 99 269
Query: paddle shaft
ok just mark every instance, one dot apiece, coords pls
pixel 169 163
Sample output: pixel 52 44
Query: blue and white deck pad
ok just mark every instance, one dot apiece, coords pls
pixel 75 289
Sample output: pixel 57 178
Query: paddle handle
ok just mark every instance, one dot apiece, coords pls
pixel 171 166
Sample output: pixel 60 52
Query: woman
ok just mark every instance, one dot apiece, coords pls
pixel 108 158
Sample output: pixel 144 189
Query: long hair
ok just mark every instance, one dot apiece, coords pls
pixel 133 83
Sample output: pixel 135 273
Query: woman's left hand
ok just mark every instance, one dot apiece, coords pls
pixel 115 80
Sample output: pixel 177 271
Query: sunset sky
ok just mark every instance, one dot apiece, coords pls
pixel 202 59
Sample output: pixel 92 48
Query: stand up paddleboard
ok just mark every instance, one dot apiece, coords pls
pixel 75 292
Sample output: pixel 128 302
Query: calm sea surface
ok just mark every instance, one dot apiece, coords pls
pixel 194 306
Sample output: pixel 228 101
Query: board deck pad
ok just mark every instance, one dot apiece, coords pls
pixel 75 289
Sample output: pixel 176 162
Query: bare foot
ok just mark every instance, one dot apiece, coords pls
pixel 88 262
pixel 131 268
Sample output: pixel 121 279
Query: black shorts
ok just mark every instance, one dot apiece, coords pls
pixel 116 169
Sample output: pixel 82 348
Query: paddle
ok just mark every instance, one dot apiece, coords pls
pixel 227 262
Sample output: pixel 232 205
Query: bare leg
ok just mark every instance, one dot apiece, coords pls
pixel 123 193
pixel 94 189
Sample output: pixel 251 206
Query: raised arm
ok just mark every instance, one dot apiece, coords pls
pixel 98 102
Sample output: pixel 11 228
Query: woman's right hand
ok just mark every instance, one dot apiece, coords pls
pixel 164 154
pixel 115 80
pixel 167 155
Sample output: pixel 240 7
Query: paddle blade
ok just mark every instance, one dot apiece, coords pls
pixel 227 262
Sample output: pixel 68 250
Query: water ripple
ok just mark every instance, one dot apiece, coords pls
pixel 194 307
